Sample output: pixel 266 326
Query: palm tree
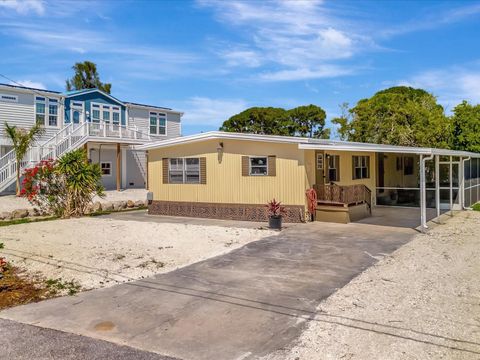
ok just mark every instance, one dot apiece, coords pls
pixel 22 140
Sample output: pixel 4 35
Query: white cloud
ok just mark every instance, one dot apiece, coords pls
pixel 323 71
pixel 204 111
pixel 241 57
pixel 433 20
pixel 451 85
pixel 138 60
pixel 301 38
pixel 24 7
pixel 29 83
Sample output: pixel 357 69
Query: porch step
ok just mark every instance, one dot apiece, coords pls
pixel 341 214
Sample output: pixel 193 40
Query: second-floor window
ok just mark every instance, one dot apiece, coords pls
pixel 106 113
pixel 158 123
pixel 46 111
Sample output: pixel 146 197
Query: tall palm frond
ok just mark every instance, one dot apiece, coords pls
pixel 22 140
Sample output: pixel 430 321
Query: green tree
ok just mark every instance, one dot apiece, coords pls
pixel 398 116
pixel 86 77
pixel 306 120
pixel 22 140
pixel 82 181
pixel 309 121
pixel 259 120
pixel 466 127
pixel 343 122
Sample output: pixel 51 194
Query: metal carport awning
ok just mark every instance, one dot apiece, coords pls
pixel 426 154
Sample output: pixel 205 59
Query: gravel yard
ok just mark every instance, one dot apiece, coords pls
pixel 98 252
pixel 12 202
pixel 422 302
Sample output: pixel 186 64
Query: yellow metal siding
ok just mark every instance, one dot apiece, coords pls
pixel 346 174
pixel 225 183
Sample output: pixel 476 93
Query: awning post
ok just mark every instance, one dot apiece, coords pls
pixel 423 193
pixel 451 185
pixel 437 184
pixel 462 183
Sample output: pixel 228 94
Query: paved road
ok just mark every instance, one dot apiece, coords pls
pixel 26 342
pixel 244 304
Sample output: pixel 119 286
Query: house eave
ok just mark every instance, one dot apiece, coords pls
pixel 305 144
pixel 153 108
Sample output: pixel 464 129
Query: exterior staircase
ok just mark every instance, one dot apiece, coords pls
pixel 69 138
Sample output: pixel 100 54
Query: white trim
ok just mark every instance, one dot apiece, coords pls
pixel 320 156
pixel 184 170
pixel 367 166
pixel 124 168
pixel 250 165
pixel 107 108
pixel 94 90
pixel 106 162
pixel 216 135
pixel 31 91
pixel 305 144
pixel 74 107
pixel 46 113
pixel 157 115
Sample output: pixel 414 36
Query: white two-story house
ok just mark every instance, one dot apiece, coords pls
pixel 105 126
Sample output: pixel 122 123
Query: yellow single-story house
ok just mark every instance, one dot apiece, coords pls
pixel 233 175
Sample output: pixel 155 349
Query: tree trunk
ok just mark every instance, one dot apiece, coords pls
pixel 18 179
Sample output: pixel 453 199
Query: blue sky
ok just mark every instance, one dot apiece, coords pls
pixel 213 59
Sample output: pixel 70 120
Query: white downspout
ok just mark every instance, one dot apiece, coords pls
pixel 462 183
pixel 423 194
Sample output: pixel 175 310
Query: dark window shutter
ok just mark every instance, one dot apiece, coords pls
pixel 245 166
pixel 354 176
pixel 165 170
pixel 337 164
pixel 272 165
pixel 203 170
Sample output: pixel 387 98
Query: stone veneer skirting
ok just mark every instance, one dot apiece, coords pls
pixel 247 212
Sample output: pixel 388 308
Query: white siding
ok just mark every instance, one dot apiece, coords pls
pixel 140 117
pixel 22 114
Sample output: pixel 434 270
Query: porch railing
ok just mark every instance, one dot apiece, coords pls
pixel 343 194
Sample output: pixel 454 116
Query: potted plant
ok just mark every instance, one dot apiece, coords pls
pixel 275 212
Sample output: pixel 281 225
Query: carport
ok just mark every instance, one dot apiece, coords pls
pixel 426 181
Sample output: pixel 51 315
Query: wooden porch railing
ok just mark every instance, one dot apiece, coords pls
pixel 343 195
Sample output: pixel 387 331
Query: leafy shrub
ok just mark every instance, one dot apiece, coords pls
pixel 64 187
pixel 476 206
pixel 275 208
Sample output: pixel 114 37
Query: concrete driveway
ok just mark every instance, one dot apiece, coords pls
pixel 244 304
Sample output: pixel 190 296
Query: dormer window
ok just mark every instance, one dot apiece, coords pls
pixel 158 123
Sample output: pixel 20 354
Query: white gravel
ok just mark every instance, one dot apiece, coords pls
pixel 98 252
pixel 422 302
